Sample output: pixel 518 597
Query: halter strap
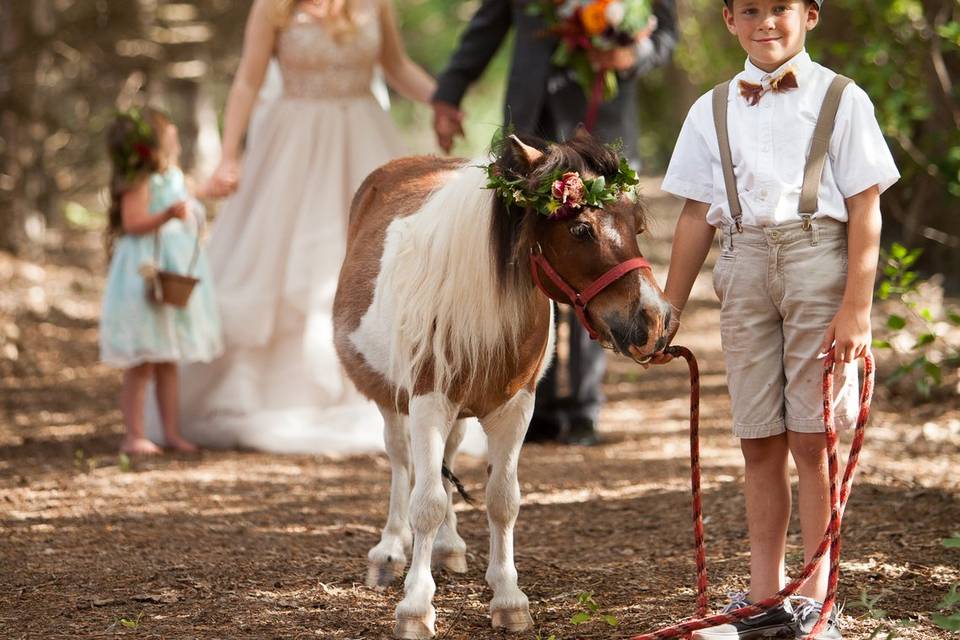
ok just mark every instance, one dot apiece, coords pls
pixel 580 300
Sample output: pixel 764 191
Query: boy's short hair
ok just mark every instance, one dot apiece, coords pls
pixel 819 3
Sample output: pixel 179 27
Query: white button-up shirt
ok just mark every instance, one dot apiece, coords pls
pixel 769 143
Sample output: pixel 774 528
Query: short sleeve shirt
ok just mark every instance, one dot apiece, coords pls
pixel 769 144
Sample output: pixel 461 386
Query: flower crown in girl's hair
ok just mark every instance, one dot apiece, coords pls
pixel 134 151
pixel 561 194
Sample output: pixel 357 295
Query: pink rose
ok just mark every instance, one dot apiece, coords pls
pixel 569 189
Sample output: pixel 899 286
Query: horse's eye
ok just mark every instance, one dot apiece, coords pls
pixel 582 231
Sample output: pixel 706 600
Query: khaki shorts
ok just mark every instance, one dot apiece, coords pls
pixel 779 289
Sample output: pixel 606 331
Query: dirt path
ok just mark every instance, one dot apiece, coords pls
pixel 246 545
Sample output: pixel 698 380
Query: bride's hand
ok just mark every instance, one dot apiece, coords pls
pixel 224 180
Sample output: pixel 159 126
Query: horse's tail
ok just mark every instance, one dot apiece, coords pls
pixel 455 481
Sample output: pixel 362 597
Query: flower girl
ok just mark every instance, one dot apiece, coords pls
pixel 146 328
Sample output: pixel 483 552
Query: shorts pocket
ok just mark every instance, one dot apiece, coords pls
pixel 721 272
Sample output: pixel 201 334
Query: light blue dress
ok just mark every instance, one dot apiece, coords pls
pixel 134 330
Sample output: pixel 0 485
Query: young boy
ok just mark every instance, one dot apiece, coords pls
pixel 794 277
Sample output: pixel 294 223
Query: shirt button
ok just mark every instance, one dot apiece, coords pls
pixel 763 194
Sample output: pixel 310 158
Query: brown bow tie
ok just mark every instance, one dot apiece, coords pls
pixel 753 92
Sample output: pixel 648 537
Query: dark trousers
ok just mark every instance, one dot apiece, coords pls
pixel 570 390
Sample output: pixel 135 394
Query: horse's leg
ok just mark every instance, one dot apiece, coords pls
pixel 431 418
pixel 387 560
pixel 449 549
pixel 505 429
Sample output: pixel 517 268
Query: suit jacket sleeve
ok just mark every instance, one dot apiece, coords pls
pixel 657 49
pixel 478 44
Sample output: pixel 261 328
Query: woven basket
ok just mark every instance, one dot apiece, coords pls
pixel 171 288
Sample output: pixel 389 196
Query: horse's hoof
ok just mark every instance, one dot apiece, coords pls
pixel 413 629
pixel 381 575
pixel 452 561
pixel 513 620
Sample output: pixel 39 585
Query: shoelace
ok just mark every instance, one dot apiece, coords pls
pixel 810 607
pixel 737 601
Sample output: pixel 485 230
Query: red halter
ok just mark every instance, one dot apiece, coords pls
pixel 580 300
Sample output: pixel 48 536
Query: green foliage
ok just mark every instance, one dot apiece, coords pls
pixel 82 218
pixel 431 30
pixel 82 463
pixel 952 543
pixel 590 611
pixel 132 623
pixel 949 607
pixel 124 462
pixel 887 629
pixel 947 615
pixel 929 351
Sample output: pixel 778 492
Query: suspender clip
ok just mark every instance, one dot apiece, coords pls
pixel 807 218
pixel 739 224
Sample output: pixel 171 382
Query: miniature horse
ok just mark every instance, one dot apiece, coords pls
pixel 437 319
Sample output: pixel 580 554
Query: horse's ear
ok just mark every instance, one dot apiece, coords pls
pixel 582 133
pixel 529 154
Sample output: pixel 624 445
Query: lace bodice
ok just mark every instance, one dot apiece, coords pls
pixel 317 64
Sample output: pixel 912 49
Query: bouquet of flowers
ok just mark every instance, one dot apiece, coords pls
pixel 587 26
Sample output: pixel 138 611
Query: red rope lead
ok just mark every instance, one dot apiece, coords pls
pixel 838 501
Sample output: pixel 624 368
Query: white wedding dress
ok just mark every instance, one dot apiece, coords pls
pixel 276 248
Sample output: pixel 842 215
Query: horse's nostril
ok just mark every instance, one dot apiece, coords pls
pixel 661 343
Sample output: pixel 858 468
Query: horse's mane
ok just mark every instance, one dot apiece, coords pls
pixel 509 225
pixel 452 322
pixel 459 271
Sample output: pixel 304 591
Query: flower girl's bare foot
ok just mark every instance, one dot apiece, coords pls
pixel 139 447
pixel 180 445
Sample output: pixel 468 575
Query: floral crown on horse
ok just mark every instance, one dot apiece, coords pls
pixel 561 194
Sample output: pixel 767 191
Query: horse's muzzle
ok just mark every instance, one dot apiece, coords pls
pixel 639 334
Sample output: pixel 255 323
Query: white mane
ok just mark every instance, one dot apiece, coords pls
pixel 449 310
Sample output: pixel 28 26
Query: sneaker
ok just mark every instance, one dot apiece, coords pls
pixel 807 612
pixel 778 622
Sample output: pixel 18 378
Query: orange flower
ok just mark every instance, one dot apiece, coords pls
pixel 593 17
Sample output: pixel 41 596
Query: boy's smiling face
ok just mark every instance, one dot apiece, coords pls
pixel 771 31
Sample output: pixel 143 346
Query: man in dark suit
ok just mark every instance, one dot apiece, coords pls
pixel 546 101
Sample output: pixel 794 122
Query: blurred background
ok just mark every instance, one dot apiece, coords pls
pixel 66 65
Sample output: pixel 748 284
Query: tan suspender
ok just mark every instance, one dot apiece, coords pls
pixel 813 170
pixel 720 98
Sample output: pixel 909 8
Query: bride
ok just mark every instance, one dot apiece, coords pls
pixel 277 244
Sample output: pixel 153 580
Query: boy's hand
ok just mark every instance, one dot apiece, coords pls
pixel 848 335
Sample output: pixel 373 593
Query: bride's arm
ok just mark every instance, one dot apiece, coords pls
pixel 258 42
pixel 404 75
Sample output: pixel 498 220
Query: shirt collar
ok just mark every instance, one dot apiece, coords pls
pixel 801 64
